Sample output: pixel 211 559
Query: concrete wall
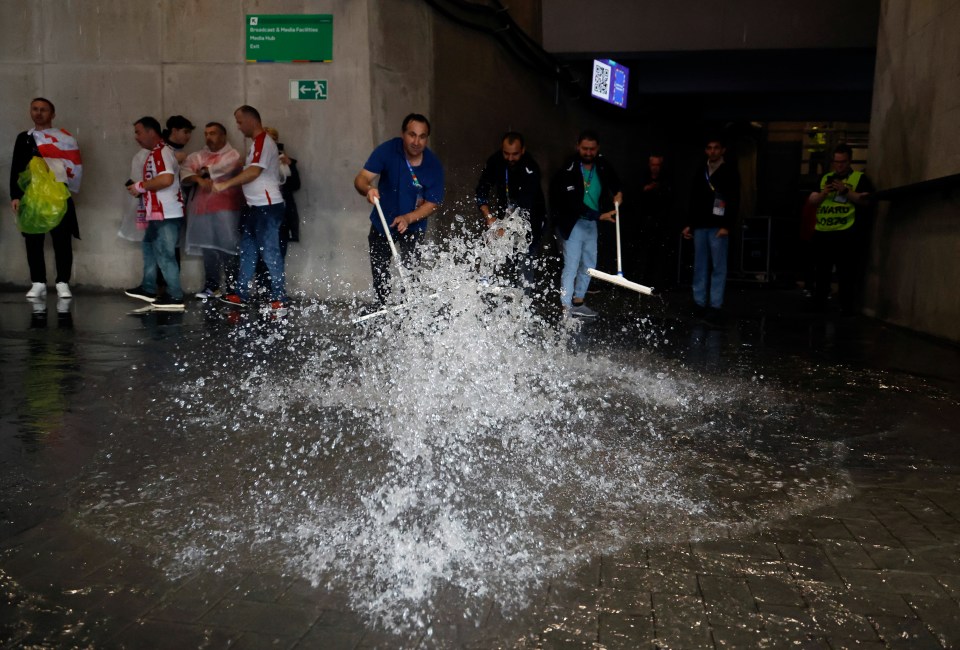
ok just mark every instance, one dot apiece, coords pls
pixel 676 25
pixel 105 63
pixel 914 131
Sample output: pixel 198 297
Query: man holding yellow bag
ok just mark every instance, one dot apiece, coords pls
pixel 46 169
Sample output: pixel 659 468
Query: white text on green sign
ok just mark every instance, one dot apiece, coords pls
pixel 289 38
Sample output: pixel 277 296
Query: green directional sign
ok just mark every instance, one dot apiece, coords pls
pixel 310 89
pixel 289 38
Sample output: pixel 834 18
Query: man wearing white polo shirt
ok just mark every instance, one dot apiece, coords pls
pixel 260 221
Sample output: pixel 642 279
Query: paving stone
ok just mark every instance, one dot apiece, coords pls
pixel 874 603
pixel 680 621
pixel 727 600
pixel 674 583
pixel 944 559
pixel 833 616
pixel 738 548
pixel 905 634
pixel 625 631
pixel 836 643
pixel 717 564
pixel 565 625
pixel 941 616
pixel 810 563
pixel 263 618
pixel 823 528
pixel 899 559
pixel 847 553
pixel 949 502
pixel 668 560
pixel 740 637
pixel 872 533
pixel 630 602
pixel 776 590
pixel 901 582
pixel 787 621
pixel 625 576
pixel 838 622
pixel 951 585
pixel 906 528
pixel 173 636
pixel 333 630
pixel 261 587
pixel 779 569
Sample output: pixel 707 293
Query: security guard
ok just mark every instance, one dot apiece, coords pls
pixel 844 195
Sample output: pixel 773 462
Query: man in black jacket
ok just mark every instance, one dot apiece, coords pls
pixel 511 178
pixel 581 194
pixel 714 204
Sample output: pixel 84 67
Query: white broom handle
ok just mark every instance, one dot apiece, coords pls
pixel 386 228
pixel 616 206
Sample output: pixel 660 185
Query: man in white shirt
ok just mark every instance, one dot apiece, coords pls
pixel 260 221
pixel 160 215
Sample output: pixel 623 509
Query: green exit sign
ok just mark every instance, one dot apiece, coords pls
pixel 289 38
pixel 310 89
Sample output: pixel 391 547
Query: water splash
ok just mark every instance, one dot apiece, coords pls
pixel 464 442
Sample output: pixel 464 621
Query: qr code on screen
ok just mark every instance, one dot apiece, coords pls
pixel 601 80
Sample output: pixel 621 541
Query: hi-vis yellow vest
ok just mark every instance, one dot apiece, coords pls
pixel 837 215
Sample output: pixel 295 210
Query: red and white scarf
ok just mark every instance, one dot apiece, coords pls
pixel 60 151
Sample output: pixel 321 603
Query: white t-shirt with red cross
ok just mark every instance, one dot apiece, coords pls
pixel 265 188
pixel 168 202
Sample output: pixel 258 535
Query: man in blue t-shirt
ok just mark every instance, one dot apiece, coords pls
pixel 410 188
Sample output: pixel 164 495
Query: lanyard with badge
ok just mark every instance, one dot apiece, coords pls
pixel 719 204
pixel 587 180
pixel 506 189
pixel 416 183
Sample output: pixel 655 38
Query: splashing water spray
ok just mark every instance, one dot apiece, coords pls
pixel 460 448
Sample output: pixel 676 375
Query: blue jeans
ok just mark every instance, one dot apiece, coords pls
pixel 579 254
pixel 160 249
pixel 709 266
pixel 260 236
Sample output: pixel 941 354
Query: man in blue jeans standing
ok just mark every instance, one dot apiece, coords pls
pixel 160 215
pixel 714 204
pixel 260 221
pixel 581 194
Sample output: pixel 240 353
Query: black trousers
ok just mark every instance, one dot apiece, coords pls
pixel 62 250
pixel 381 262
pixel 842 249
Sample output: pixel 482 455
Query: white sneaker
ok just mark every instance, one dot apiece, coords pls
pixel 63 290
pixel 37 290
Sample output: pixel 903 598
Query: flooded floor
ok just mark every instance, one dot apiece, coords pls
pixel 476 473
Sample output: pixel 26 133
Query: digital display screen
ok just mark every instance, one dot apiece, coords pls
pixel 609 82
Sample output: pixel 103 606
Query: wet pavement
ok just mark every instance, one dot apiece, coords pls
pixel 803 487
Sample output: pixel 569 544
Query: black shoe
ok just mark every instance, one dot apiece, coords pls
pixel 715 316
pixel 140 294
pixel 166 303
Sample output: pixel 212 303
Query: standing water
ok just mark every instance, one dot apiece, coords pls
pixel 459 451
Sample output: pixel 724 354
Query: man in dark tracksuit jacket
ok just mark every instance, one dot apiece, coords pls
pixel 714 204
pixel 511 178
pixel 581 194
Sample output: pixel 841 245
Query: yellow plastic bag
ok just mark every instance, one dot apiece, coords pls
pixel 44 199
